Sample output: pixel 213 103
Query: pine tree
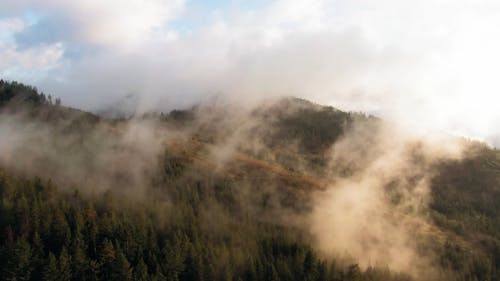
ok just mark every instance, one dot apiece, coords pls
pixel 251 273
pixel 19 265
pixel 121 267
pixel 141 271
pixel 38 256
pixel 92 230
pixel 158 276
pixel 51 271
pixel 60 231
pixel 353 273
pixel 273 274
pixel 79 263
pixel 64 266
pixel 106 260
pixel 92 272
pixel 309 266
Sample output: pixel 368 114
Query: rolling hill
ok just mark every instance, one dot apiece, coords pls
pixel 287 190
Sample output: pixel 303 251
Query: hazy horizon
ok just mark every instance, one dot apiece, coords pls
pixel 235 140
pixel 428 65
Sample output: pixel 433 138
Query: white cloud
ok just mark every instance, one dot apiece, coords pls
pixel 111 23
pixel 119 23
pixel 26 63
pixel 425 63
pixel 10 25
pixel 30 63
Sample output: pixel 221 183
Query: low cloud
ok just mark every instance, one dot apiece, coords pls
pixel 425 65
pixel 375 210
pixel 94 158
pixel 367 202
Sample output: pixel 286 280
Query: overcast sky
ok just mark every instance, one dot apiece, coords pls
pixel 428 64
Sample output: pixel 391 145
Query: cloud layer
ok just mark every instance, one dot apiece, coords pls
pixel 429 64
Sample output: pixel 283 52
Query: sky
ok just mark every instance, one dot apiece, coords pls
pixel 429 65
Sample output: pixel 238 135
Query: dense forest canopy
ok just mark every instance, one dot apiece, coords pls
pixel 288 190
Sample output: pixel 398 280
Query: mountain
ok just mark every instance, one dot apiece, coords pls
pixel 286 190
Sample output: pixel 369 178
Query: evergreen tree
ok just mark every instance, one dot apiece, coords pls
pixel 38 257
pixel 107 261
pixel 65 273
pixel 51 271
pixel 141 271
pixel 18 265
pixel 121 267
pixel 79 264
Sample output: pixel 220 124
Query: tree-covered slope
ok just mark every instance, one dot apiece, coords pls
pixel 214 193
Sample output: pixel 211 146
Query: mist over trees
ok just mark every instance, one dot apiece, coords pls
pixel 212 193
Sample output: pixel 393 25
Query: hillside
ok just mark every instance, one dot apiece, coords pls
pixel 288 190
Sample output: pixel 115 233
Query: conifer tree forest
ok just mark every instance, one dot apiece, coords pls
pixel 68 212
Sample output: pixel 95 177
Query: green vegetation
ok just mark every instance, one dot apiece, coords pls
pixel 52 235
pixel 466 202
pixel 194 220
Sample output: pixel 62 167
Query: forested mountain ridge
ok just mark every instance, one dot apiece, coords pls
pixel 15 97
pixel 212 194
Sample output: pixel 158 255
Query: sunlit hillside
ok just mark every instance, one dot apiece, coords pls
pixel 284 190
